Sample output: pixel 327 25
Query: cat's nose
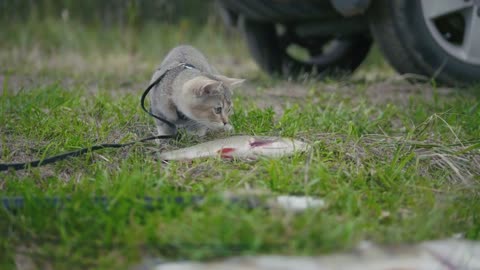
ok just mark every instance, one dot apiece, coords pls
pixel 225 121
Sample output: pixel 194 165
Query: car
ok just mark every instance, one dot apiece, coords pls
pixel 439 39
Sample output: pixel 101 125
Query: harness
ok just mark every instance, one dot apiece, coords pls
pixel 180 115
pixel 37 163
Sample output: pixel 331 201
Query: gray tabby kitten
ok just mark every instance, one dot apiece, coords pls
pixel 198 100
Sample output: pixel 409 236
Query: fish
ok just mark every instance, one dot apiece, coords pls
pixel 239 147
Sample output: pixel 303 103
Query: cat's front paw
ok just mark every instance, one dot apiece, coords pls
pixel 200 132
pixel 228 128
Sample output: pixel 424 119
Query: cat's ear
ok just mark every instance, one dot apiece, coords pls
pixel 230 82
pixel 210 88
pixel 202 86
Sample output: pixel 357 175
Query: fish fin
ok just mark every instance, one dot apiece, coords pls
pixel 257 143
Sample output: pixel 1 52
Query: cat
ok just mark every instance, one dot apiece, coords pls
pixel 198 100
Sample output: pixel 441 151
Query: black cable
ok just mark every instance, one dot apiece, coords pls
pixel 37 163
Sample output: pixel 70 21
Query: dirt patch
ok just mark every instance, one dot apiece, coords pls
pixel 400 92
pixel 395 91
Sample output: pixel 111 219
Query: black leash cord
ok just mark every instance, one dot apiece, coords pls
pixel 37 163
pixel 12 203
pixel 19 202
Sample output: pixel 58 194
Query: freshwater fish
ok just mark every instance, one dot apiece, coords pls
pixel 239 147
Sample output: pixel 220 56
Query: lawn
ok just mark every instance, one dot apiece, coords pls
pixel 395 161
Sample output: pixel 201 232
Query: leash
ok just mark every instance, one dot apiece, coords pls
pixel 14 203
pixel 37 163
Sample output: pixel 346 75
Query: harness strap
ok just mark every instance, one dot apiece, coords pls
pixel 154 83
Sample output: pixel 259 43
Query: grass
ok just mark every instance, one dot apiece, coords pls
pixel 396 162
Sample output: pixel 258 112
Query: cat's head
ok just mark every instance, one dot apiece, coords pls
pixel 208 100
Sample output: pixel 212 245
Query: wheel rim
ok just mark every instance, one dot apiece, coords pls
pixel 319 52
pixel 323 55
pixel 455 26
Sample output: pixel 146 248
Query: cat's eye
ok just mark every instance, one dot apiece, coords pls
pixel 218 110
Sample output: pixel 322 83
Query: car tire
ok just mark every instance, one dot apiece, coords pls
pixel 263 46
pixel 266 48
pixel 414 44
